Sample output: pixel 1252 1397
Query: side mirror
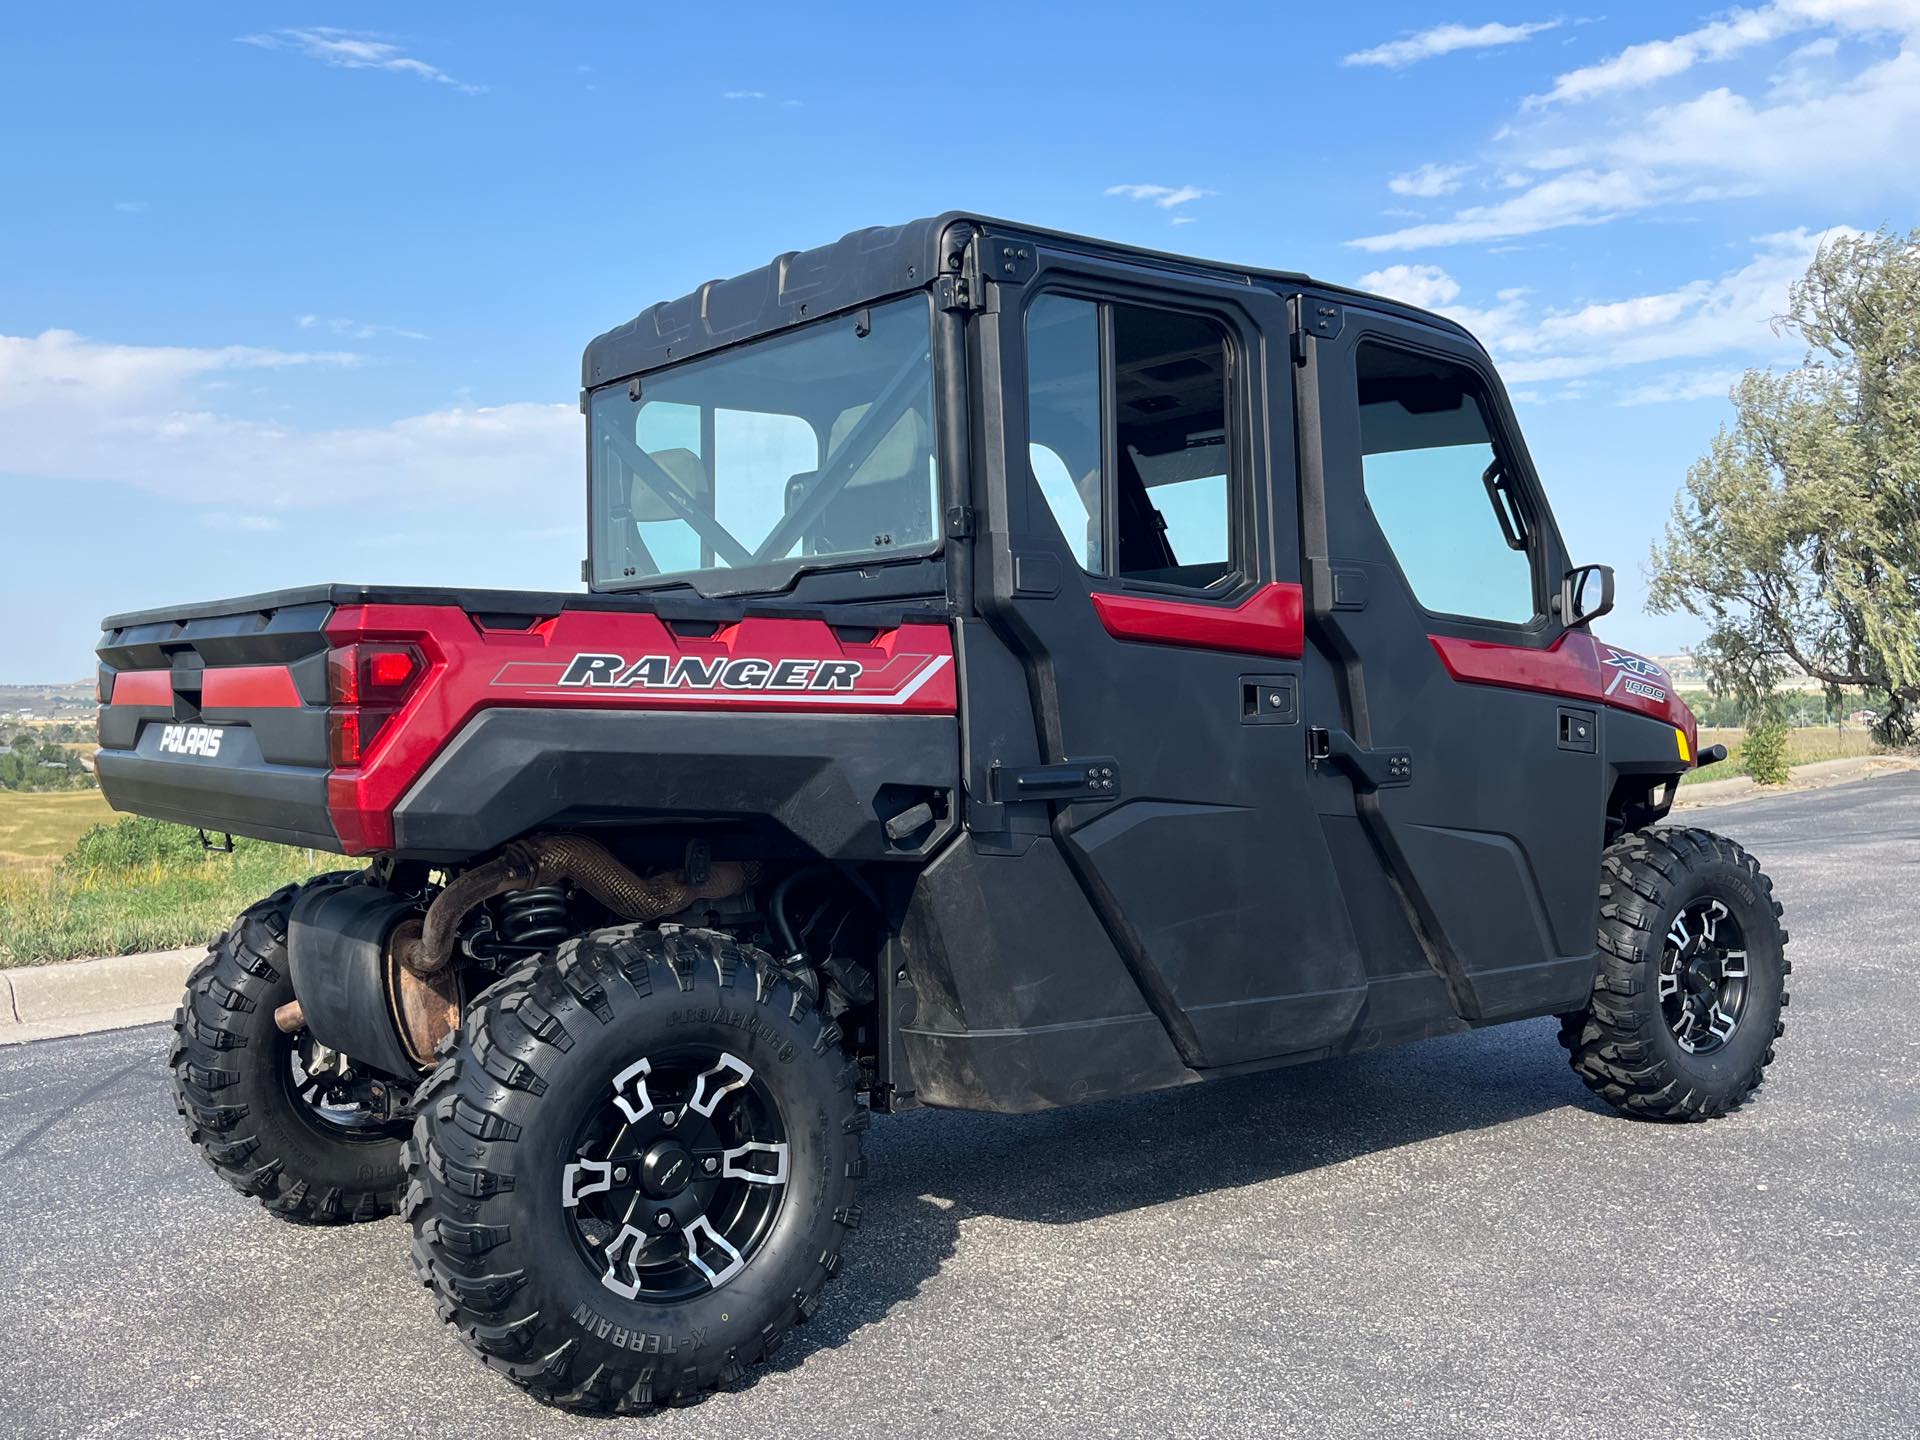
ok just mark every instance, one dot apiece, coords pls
pixel 1586 593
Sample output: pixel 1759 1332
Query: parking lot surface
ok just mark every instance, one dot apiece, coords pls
pixel 1450 1238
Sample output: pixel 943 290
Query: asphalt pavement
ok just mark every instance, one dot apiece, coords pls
pixel 1450 1238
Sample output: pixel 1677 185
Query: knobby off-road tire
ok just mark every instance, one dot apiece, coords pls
pixel 233 1082
pixel 497 1155
pixel 1647 1043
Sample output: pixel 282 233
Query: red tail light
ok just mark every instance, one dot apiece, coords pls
pixel 367 683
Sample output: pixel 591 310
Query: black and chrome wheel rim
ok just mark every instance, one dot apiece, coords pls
pixel 677 1175
pixel 328 1091
pixel 1703 976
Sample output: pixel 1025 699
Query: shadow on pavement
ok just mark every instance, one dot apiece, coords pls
pixel 930 1171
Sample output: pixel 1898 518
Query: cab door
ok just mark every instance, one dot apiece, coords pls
pixel 1432 563
pixel 1142 531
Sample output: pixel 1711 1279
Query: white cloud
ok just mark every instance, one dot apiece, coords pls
pixel 1832 121
pixel 1580 197
pixel 1867 127
pixel 1429 181
pixel 1730 315
pixel 1683 385
pixel 355 329
pixel 1739 30
pixel 1444 40
pixel 759 95
pixel 355 50
pixel 130 207
pixel 39 370
pixel 72 408
pixel 1426 286
pixel 1165 196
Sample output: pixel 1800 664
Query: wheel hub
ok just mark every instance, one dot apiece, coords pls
pixel 679 1173
pixel 1703 976
pixel 666 1169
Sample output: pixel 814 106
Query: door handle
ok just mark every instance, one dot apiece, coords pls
pixel 1368 768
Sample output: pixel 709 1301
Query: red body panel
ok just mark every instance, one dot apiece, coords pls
pixel 1271 621
pixel 248 687
pixel 143 687
pixel 1576 666
pixel 907 670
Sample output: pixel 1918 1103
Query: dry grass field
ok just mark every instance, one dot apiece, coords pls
pixel 77 880
pixel 38 827
pixel 1804 747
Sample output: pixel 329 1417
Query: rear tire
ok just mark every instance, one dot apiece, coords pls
pixel 234 1084
pixel 1692 978
pixel 592 1271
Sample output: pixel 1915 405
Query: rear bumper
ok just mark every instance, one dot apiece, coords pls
pixel 281 803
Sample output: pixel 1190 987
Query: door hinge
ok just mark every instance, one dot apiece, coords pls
pixel 958 292
pixel 1008 262
pixel 985 258
pixel 1368 768
pixel 961 522
pixel 1095 778
pixel 1319 318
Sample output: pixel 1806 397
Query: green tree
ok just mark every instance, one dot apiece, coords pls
pixel 1797 537
pixel 1765 753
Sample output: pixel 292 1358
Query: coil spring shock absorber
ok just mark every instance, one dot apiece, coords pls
pixel 535 919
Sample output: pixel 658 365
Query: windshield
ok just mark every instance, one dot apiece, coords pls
pixel 813 445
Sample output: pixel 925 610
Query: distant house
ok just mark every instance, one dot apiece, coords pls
pixel 1864 719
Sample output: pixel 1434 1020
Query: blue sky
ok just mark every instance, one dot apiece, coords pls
pixel 298 293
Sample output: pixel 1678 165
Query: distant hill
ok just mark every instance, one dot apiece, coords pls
pixel 73 700
pixel 1689 674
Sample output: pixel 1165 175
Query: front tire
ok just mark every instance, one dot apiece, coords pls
pixel 1692 978
pixel 252 1109
pixel 634 1168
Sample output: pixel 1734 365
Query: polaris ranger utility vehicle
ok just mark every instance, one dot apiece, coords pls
pixel 1014 670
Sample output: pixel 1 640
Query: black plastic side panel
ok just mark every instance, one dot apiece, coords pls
pixel 1639 745
pixel 1387 940
pixel 336 949
pixel 1237 906
pixel 823 784
pixel 1023 1003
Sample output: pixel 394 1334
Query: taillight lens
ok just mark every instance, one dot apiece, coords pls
pixel 367 682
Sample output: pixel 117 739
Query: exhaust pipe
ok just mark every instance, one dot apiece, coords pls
pixel 564 859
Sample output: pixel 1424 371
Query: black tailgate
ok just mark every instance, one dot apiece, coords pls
pixel 216 715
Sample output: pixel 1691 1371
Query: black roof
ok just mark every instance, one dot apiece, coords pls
pixel 857 269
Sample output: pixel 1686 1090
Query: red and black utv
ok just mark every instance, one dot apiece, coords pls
pixel 1014 670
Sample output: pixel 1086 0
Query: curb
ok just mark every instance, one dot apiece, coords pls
pixel 1801 777
pixel 39 1002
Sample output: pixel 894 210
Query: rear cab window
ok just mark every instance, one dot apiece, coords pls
pixel 1129 446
